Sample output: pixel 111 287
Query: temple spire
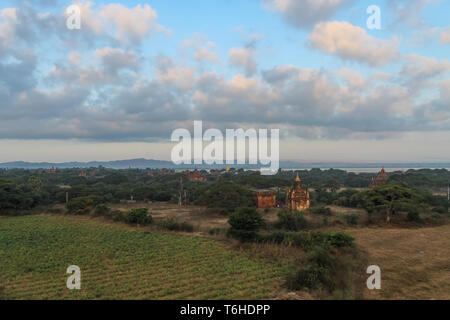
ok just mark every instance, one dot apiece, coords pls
pixel 297 179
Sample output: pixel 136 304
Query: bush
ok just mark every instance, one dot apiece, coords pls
pixel 321 210
pixel 440 210
pixel 117 215
pixel 101 210
pixel 351 219
pixel 139 216
pixel 82 205
pixel 292 221
pixel 245 224
pixel 216 231
pixel 413 216
pixel 172 225
pixel 306 277
pixel 309 240
pixel 315 273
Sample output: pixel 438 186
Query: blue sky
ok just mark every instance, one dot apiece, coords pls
pixel 136 70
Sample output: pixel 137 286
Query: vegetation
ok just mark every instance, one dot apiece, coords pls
pixel 245 224
pixel 291 221
pixel 227 195
pixel 172 225
pixel 122 263
pixel 390 198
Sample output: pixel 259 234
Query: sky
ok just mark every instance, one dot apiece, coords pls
pixel 136 70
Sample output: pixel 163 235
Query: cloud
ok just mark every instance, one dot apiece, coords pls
pixel 132 24
pixel 350 42
pixel 420 68
pixel 180 76
pixel 306 13
pixel 243 58
pixel 409 11
pixel 204 49
pixel 353 78
pixel 444 37
pixel 114 60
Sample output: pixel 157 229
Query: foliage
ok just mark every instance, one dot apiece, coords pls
pixel 172 225
pixel 414 216
pixel 390 198
pixel 314 273
pixel 227 195
pixel 351 219
pixel 82 205
pixel 118 263
pixel 245 224
pixel 309 239
pixel 291 221
pixel 101 210
pixel 320 210
pixel 139 216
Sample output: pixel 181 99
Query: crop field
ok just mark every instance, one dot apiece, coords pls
pixel 119 262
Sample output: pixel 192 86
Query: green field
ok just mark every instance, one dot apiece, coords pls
pixel 118 262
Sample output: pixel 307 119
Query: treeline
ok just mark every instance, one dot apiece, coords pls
pixel 26 189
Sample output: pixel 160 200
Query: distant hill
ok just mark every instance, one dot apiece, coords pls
pixel 159 164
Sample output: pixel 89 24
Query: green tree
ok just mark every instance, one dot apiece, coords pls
pixel 245 223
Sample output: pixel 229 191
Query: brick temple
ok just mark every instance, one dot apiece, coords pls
pixel 265 198
pixel 379 180
pixel 297 198
pixel 196 176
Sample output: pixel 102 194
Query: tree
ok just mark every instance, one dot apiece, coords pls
pixel 245 223
pixel 391 198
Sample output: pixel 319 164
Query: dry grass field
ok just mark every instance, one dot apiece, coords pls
pixel 415 263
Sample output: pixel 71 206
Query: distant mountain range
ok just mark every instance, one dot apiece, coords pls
pixel 159 164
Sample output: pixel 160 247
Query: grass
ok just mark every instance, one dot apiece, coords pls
pixel 415 263
pixel 119 262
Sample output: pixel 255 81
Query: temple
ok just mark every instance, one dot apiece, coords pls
pixel 379 180
pixel 297 198
pixel 265 198
pixel 195 176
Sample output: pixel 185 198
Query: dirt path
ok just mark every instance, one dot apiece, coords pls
pixel 415 263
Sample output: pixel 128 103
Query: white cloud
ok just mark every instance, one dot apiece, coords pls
pixel 350 42
pixel 445 36
pixel 116 59
pixel 243 58
pixel 306 13
pixel 420 67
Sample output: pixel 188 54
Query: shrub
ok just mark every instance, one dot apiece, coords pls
pixel 351 219
pixel 413 216
pixel 305 277
pixel 315 273
pixel 139 216
pixel 216 231
pixel 309 240
pixel 321 210
pixel 440 210
pixel 173 225
pixel 101 210
pixel 292 221
pixel 117 215
pixel 82 205
pixel 245 224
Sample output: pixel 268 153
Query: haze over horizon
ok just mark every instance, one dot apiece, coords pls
pixel 134 72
